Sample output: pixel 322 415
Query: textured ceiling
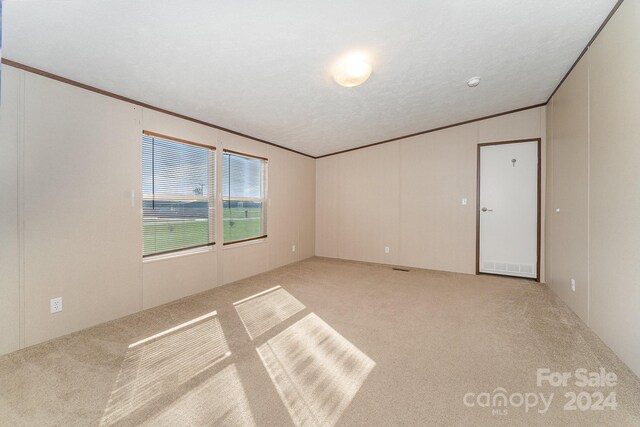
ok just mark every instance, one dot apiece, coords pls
pixel 262 67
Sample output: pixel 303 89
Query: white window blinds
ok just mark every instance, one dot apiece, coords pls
pixel 178 194
pixel 244 194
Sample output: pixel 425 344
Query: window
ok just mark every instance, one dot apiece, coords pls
pixel 178 201
pixel 244 188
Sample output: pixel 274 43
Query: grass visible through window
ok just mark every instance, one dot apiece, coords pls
pixel 175 233
pixel 167 234
pixel 241 223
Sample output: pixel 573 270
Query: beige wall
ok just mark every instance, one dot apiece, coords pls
pixel 407 195
pixel 567 190
pixel 71 229
pixel 10 127
pixel 595 149
pixel 81 235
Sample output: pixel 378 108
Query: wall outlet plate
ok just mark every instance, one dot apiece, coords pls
pixel 573 285
pixel 293 248
pixel 464 202
pixel 386 249
pixel 55 305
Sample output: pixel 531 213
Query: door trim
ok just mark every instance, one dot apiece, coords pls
pixel 539 226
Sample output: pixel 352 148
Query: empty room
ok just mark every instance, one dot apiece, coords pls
pixel 321 213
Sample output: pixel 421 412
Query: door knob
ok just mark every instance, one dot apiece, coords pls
pixel 485 210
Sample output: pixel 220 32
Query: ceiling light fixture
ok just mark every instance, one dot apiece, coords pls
pixel 473 81
pixel 352 69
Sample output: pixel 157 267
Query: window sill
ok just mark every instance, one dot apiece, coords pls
pixel 245 243
pixel 179 254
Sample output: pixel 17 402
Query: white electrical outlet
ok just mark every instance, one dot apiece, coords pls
pixel 293 248
pixel 55 305
pixel 464 202
pixel 573 285
pixel 386 249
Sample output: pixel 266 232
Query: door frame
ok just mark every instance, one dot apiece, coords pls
pixel 539 225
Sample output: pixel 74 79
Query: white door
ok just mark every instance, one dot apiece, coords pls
pixel 508 209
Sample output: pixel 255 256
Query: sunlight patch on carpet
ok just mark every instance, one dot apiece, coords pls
pixel 263 311
pixel 220 400
pixel 159 364
pixel 316 371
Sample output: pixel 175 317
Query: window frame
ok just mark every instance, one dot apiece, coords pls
pixel 211 199
pixel 263 199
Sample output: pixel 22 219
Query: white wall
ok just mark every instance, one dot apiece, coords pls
pixel 594 146
pixel 407 195
pixel 70 228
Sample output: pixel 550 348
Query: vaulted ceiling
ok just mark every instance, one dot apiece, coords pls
pixel 263 67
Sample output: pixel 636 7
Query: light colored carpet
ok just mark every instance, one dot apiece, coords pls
pixel 330 343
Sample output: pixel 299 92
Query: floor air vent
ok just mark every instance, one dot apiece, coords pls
pixel 400 269
pixel 504 267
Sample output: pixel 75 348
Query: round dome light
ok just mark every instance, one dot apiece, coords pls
pixel 352 69
pixel 473 81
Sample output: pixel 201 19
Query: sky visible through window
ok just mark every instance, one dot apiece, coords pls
pixel 242 177
pixel 180 169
